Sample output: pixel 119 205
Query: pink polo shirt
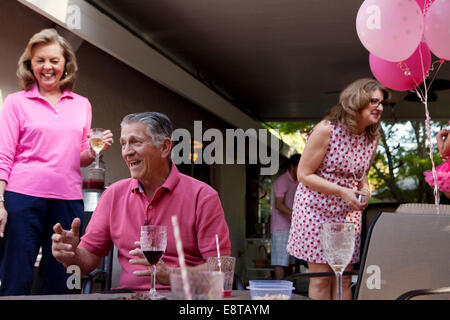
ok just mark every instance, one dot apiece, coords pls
pixel 123 208
pixel 283 187
pixel 40 145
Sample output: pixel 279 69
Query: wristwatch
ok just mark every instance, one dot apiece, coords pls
pixel 2 198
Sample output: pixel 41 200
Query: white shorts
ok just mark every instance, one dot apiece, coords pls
pixel 278 253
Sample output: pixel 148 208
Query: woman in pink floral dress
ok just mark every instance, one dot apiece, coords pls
pixel 332 173
pixel 442 170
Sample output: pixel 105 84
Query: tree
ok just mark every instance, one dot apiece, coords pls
pixel 401 158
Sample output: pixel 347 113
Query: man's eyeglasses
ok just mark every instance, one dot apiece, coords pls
pixel 376 102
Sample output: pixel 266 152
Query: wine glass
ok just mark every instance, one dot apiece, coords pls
pixel 97 144
pixel 338 244
pixel 153 244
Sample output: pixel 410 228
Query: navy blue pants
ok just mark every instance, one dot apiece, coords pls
pixel 30 226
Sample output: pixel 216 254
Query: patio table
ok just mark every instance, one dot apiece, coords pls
pixel 235 295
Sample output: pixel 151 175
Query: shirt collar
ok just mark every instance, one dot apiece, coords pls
pixel 170 183
pixel 34 93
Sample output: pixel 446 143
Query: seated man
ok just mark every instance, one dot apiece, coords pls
pixel 155 192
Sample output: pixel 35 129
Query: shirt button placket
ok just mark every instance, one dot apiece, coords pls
pixel 150 207
pixel 147 216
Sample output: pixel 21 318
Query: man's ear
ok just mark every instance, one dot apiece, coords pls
pixel 166 148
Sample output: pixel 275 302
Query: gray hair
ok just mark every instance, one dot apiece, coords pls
pixel 158 125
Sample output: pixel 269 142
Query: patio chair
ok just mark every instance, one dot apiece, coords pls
pixel 424 292
pixel 369 217
pixel 422 208
pixel 406 252
pixel 402 252
pixel 105 276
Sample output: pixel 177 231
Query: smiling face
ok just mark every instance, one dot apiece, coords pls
pixel 371 114
pixel 143 158
pixel 47 63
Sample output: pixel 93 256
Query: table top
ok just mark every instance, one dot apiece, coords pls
pixel 235 295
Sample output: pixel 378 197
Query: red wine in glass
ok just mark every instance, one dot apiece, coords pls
pixel 153 244
pixel 153 256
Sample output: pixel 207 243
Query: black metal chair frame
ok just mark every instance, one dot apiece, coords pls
pixel 102 274
pixel 423 292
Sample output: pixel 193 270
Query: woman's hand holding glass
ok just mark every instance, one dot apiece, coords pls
pixel 350 197
pixel 100 140
pixel 441 139
pixel 363 196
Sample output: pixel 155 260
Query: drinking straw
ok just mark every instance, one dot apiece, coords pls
pixel 218 253
pixel 176 232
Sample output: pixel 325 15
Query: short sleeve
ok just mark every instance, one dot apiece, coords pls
pixel 211 221
pixel 280 187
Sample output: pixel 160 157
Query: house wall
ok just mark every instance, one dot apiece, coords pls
pixel 114 90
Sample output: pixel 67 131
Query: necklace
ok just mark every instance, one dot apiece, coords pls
pixel 364 162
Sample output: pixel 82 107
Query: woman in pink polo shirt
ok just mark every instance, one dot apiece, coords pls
pixel 43 143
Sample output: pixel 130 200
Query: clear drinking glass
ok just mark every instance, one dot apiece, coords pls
pixel 203 285
pixel 225 265
pixel 338 244
pixel 153 244
pixel 97 144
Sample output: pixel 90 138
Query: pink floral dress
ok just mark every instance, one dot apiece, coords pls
pixel 442 176
pixel 346 162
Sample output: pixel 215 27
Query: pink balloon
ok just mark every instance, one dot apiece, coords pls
pixel 437 29
pixel 389 29
pixel 423 3
pixel 394 75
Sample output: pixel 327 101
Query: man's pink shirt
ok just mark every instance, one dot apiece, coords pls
pixel 123 208
pixel 284 187
pixel 40 145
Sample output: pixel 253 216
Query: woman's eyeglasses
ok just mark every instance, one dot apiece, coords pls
pixel 376 102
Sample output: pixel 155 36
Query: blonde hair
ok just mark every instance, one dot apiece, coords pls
pixel 352 100
pixel 47 36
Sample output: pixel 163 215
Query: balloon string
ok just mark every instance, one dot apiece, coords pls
pixel 430 144
pixel 434 63
pixel 434 75
pixel 423 73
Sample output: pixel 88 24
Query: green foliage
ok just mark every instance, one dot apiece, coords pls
pixel 290 127
pixel 401 159
pixel 292 133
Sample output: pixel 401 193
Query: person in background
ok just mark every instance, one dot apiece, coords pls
pixel 443 170
pixel 155 192
pixel 284 189
pixel 43 143
pixel 333 173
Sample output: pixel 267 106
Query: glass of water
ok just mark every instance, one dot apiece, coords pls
pixel 338 244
